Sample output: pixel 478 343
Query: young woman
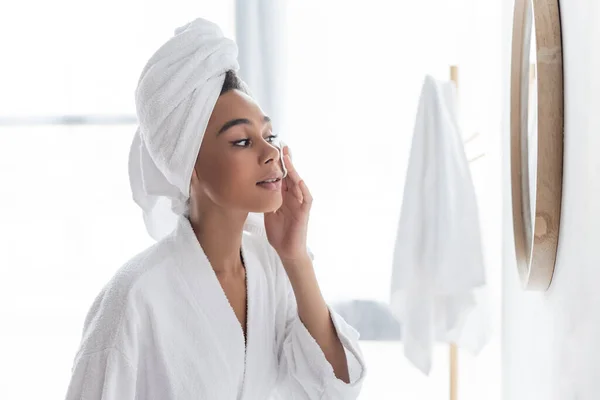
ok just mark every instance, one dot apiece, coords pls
pixel 222 306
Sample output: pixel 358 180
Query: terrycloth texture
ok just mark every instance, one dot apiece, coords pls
pixel 175 96
pixel 438 262
pixel 163 329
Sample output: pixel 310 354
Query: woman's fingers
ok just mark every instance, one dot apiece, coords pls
pixel 294 189
pixel 306 196
pixel 292 173
pixel 293 180
pixel 284 184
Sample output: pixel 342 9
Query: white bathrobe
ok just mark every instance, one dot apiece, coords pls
pixel 163 329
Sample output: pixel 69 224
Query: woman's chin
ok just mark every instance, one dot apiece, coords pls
pixel 268 205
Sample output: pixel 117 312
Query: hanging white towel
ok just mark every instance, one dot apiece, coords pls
pixel 438 269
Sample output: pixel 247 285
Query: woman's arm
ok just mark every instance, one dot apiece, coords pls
pixel 314 314
pixel 102 375
pixel 312 357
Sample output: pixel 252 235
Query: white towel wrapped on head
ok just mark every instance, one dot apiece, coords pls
pixel 175 96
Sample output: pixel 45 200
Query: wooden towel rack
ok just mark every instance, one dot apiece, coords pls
pixel 453 347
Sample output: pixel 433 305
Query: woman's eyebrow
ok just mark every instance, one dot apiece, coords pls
pixel 234 122
pixel 240 121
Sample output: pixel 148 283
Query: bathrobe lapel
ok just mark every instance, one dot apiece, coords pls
pixel 213 308
pixel 260 340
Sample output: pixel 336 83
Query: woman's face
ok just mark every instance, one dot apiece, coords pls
pixel 238 152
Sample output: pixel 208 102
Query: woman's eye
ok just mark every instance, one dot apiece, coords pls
pixel 246 142
pixel 271 138
pixel 242 143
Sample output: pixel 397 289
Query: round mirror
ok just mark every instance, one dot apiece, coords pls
pixel 536 138
pixel 528 129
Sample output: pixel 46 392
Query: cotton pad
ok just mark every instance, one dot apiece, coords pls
pixel 281 146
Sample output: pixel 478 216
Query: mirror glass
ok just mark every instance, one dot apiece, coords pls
pixel 529 133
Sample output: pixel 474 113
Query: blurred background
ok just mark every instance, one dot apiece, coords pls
pixel 343 93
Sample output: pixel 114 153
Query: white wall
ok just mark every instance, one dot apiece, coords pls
pixel 551 341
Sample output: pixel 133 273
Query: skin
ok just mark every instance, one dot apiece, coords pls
pixel 223 191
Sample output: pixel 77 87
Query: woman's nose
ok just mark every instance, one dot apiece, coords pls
pixel 271 153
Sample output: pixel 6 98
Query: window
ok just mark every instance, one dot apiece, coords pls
pixel 67 185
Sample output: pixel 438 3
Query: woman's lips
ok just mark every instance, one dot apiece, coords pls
pixel 276 185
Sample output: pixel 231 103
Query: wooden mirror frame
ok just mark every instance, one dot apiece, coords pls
pixel 536 251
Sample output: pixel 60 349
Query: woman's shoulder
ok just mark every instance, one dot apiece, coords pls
pixel 159 255
pixel 131 274
pixel 115 310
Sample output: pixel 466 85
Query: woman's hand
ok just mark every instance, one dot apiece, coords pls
pixel 287 227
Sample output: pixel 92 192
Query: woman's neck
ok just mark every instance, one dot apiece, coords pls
pixel 220 235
